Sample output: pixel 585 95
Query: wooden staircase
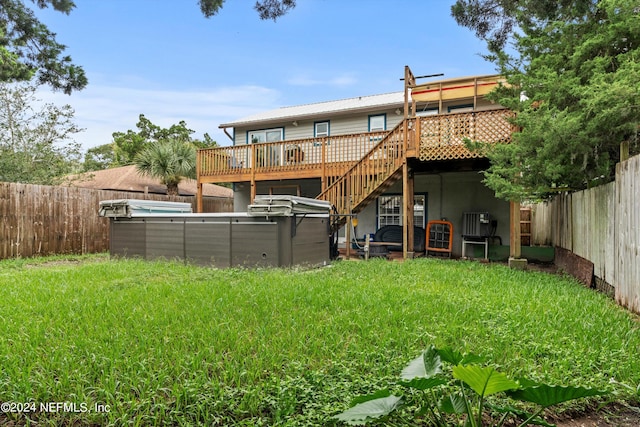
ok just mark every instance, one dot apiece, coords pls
pixel 371 176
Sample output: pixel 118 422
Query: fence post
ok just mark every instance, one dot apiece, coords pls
pixel 624 151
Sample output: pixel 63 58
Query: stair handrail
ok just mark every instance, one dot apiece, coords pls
pixel 376 153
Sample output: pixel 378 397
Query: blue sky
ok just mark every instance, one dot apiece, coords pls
pixel 164 59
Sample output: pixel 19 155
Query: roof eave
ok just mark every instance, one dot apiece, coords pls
pixel 327 114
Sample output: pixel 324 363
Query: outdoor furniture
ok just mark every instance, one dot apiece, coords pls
pixel 393 234
pixel 378 249
pixel 294 154
pixel 439 237
pixel 484 241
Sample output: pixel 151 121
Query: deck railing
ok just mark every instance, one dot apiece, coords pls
pixel 310 154
pixel 442 137
pixel 363 180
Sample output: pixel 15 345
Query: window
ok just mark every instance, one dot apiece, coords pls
pixel 377 122
pixel 390 210
pixel 266 155
pixel 266 135
pixel 321 129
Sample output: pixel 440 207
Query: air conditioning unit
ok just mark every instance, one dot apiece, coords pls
pixel 476 225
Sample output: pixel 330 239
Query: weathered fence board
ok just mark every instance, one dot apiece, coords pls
pixel 593 229
pixel 602 225
pixel 627 220
pixel 44 220
pixel 541 230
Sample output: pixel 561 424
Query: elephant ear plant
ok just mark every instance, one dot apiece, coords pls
pixel 457 396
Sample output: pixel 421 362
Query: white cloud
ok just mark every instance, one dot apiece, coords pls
pixel 103 109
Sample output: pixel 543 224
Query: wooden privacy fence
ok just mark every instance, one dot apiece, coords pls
pixel 44 220
pixel 602 225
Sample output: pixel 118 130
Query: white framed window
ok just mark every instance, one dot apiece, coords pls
pixel 377 122
pixel 266 155
pixel 321 129
pixel 390 210
pixel 265 135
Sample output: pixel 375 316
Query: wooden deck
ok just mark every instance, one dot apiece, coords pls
pixel 429 138
pixel 291 159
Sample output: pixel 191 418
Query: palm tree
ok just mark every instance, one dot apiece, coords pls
pixel 170 161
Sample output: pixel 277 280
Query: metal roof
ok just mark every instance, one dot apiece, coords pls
pixel 371 102
pixel 360 103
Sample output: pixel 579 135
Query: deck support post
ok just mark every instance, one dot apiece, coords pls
pixel 253 191
pixel 515 260
pixel 349 220
pixel 199 206
pixel 407 175
pixel 407 221
pixel 514 234
pixel 199 183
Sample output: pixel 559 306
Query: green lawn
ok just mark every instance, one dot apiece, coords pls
pixel 168 344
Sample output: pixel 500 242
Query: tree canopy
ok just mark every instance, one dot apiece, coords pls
pixel 126 145
pixel 573 73
pixel 28 49
pixel 36 144
pixel 267 9
pixel 169 160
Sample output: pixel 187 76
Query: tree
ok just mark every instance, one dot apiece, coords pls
pixel 573 69
pixel 170 161
pixel 128 144
pixel 206 142
pixel 267 9
pixel 99 158
pixel 28 49
pixel 36 145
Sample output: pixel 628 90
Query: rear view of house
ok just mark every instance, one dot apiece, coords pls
pixel 391 159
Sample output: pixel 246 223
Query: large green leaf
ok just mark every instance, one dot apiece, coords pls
pixel 548 395
pixel 370 410
pixel 453 404
pixel 378 394
pixel 484 381
pixel 426 365
pixel 450 355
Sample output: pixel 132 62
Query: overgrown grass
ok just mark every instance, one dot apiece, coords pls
pixel 163 343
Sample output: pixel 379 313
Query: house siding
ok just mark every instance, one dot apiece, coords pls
pixel 308 188
pixel 448 196
pixel 341 125
pixel 350 123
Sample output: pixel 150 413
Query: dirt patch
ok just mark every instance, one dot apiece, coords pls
pixel 52 263
pixel 610 416
pixel 66 261
pixel 544 268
